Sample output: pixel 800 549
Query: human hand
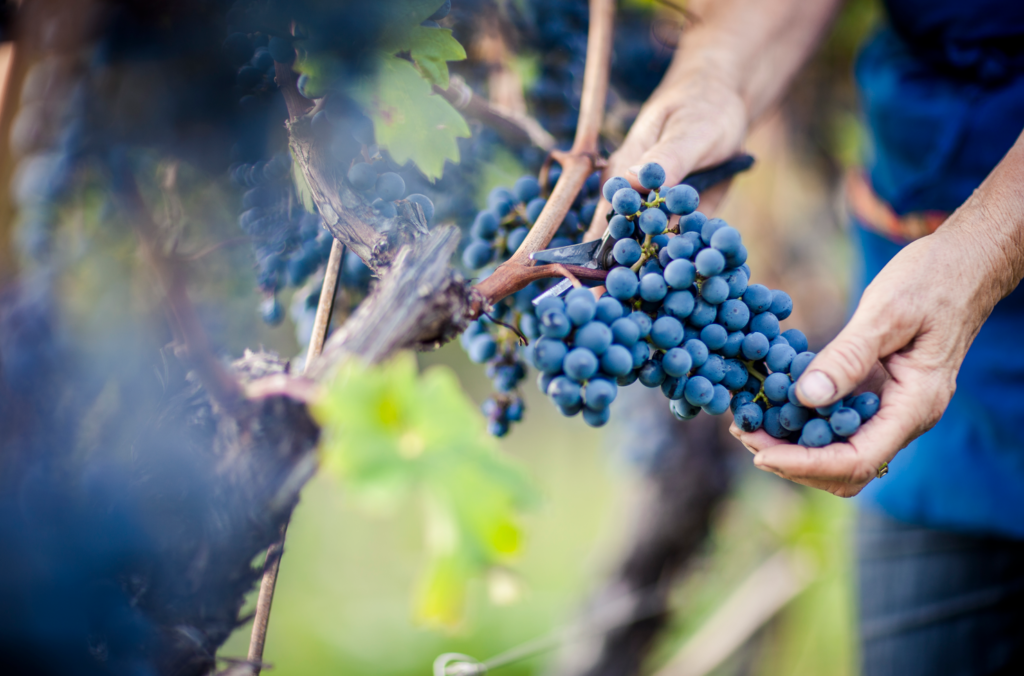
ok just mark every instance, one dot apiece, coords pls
pixel 907 340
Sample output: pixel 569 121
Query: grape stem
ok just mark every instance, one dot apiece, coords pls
pixel 645 254
pixel 514 128
pixel 760 396
pixel 577 164
pixel 567 273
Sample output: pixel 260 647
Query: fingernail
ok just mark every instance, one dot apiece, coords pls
pixel 635 169
pixel 816 388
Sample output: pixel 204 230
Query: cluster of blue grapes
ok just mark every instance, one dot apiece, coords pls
pixel 289 243
pixel 495 235
pixel 680 313
pixel 384 188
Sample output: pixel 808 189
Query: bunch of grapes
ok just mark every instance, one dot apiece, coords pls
pixel 382 187
pixel 495 235
pixel 680 313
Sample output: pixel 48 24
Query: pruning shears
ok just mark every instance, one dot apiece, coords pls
pixel 597 254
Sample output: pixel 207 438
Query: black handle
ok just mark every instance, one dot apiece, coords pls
pixel 705 178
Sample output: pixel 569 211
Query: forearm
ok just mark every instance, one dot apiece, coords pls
pixel 754 46
pixel 988 230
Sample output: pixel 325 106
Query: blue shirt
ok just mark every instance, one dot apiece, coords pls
pixel 943 96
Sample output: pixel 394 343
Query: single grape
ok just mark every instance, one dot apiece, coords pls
pixel 719 403
pixel 620 227
pixel 681 199
pixel 579 309
pixel 482 348
pixel 534 208
pixel 714 336
pixel 550 303
pixel 776 387
pixel 666 332
pixel 698 351
pixel 643 322
pixel 755 346
pixel 362 176
pixel 625 332
pixel 816 433
pixel 608 310
pixel 526 188
pixel 641 352
pixel 845 422
pixel 727 240
pixel 737 280
pixel 651 176
pixel 699 391
pixel 570 411
pixel 626 252
pixel 693 223
pixel 651 373
pixel 748 417
pixel 485 225
pixel 772 425
pixel 477 254
pixel 501 200
pixel 677 362
pixel 390 186
pixel 612 186
pixel 599 394
pixel 652 265
pixel 793 418
pixel 791 396
pixel 737 259
pixel 673 388
pixel 709 262
pixel 736 375
pixel 622 283
pixel 564 391
pixel 596 418
pixel 715 290
pixel 548 355
pixel 709 229
pixel 516 238
pixel 385 209
pixel 765 323
pixel 424 202
pixel 703 313
pixel 626 201
pixel 653 288
pixel 678 304
pixel 595 336
pixel 758 298
pixel 713 369
pixel 780 357
pixel 680 248
pixel 782 304
pixel 733 344
pixel 739 399
pixel 653 221
pixel 796 339
pixel 827 411
pixel 866 405
pixel 617 361
pixel 800 362
pixel 580 364
pixel 554 323
pixel 680 274
pixel 733 314
pixel 683 409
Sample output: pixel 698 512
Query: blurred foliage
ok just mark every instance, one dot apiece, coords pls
pixel 389 433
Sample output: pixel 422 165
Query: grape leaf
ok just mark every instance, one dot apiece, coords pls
pixel 430 48
pixel 410 120
pixel 389 433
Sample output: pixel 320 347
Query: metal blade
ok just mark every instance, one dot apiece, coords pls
pixel 556 290
pixel 574 254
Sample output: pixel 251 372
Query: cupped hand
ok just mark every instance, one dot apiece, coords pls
pixel 906 340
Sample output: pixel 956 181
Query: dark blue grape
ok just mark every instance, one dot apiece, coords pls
pixel 548 355
pixel 679 304
pixel 485 225
pixel 709 229
pixel 625 331
pixel 737 280
pixel 477 254
pixel 776 387
pixel 596 418
pixel 758 298
pixel 765 323
pixel 703 313
pixel 693 223
pixel 727 240
pixel 793 418
pixel 845 422
pixel 501 200
pixel 714 336
pixel 772 425
pixel 677 362
pixel 733 315
pixel 666 332
pixel 612 186
pixel 620 227
pixel 580 311
pixel 482 348
pixel 595 336
pixel 734 344
pixel 516 238
pixel 755 346
pixel 699 391
pixel 622 283
pixel 826 411
pixel 719 403
pixel 653 222
pixel 526 188
pixel 554 323
pixel 626 201
pixel 680 274
pixel 709 262
pixel 626 252
pixel 641 352
pixel 653 288
pixel 599 394
pixel 866 404
pixel 698 351
pixel 570 411
pixel 580 364
pixel 749 417
pixel 738 259
pixel 652 374
pixel 617 361
pixel 715 290
pixel 796 339
pixel 816 433
pixel 736 375
pixel 390 186
pixel 713 369
pixel 739 399
pixel 651 176
pixel 683 409
pixel 680 248
pixel 681 199
pixel 780 357
pixel 782 304
pixel 799 364
pixel 564 391
pixel 673 388
pixel 534 208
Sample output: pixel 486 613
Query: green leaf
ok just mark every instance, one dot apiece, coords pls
pixel 410 120
pixel 391 433
pixel 430 48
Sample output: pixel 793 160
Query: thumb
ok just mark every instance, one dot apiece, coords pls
pixel 845 363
